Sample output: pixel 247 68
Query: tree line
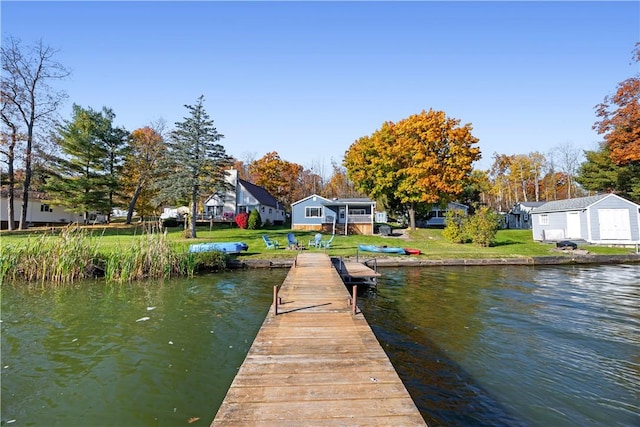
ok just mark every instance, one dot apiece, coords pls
pixel 88 164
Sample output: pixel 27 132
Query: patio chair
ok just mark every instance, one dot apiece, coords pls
pixel 327 243
pixel 316 241
pixel 292 242
pixel 271 244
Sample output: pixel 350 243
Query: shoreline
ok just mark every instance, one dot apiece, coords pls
pixel 570 259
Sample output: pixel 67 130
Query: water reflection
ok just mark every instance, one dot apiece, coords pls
pixel 543 346
pixel 493 346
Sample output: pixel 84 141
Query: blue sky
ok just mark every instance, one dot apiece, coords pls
pixel 306 79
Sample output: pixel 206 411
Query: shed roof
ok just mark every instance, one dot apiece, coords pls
pixel 572 204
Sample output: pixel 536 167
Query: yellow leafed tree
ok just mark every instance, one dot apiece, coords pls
pixel 425 158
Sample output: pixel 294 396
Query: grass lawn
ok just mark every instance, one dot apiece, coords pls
pixel 509 243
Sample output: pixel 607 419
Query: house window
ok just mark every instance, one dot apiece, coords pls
pixel 262 209
pixel 270 211
pixel 357 211
pixel 45 208
pixel 242 209
pixel 544 219
pixel 313 212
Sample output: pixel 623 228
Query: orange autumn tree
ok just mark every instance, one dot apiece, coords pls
pixel 423 159
pixel 279 177
pixel 146 148
pixel 620 119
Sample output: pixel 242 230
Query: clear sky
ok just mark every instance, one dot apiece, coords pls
pixel 306 79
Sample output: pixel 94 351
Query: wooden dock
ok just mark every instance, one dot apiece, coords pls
pixel 316 363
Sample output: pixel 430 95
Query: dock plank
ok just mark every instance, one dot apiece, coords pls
pixel 316 363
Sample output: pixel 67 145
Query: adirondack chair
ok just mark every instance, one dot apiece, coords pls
pixel 316 241
pixel 327 243
pixel 292 242
pixel 271 244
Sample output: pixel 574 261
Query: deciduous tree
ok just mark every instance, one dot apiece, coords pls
pixel 146 149
pixel 279 177
pixel 25 84
pixel 620 119
pixel 424 158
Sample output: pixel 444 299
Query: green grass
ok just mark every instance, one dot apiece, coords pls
pixel 509 243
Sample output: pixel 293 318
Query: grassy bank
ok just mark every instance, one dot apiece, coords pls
pixel 127 253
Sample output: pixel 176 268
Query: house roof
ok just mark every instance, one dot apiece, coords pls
pixel 262 196
pixel 307 198
pixel 573 204
pixel 531 204
pixel 349 201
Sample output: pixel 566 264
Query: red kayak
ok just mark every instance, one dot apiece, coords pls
pixel 410 251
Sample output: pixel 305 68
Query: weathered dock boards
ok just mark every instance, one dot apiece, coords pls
pixel 316 364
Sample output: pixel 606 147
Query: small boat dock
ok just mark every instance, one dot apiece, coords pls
pixel 315 361
pixel 356 272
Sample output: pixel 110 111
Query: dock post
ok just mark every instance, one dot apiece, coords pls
pixel 275 300
pixel 354 293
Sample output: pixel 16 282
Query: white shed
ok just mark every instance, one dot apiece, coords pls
pixel 603 219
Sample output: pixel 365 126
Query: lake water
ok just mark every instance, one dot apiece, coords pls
pixel 532 346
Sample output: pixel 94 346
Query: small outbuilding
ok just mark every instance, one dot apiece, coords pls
pixel 602 219
pixel 519 216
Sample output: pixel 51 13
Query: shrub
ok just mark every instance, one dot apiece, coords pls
pixel 242 220
pixel 483 226
pixel 455 226
pixel 210 261
pixel 255 222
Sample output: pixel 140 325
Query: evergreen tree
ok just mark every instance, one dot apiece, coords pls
pixel 195 163
pixel 80 179
pixel 115 142
pixel 255 221
pixel 599 173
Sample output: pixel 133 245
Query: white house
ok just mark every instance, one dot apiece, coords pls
pixel 602 219
pixel 40 211
pixel 244 197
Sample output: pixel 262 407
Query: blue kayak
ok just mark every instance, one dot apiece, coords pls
pixel 226 247
pixel 382 249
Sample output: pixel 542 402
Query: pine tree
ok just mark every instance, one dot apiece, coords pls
pixel 80 179
pixel 195 164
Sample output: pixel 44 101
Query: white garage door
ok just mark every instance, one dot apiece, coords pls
pixel 614 224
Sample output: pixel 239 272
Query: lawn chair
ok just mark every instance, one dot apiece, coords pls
pixel 271 244
pixel 316 241
pixel 292 242
pixel 327 243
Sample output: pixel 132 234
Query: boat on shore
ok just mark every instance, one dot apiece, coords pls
pixel 225 247
pixel 411 251
pixel 382 249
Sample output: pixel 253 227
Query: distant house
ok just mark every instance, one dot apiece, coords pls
pixel 604 219
pixel 519 216
pixel 436 216
pixel 244 197
pixel 40 211
pixel 337 216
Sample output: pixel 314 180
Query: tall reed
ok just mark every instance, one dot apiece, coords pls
pixel 73 255
pixel 60 259
pixel 150 256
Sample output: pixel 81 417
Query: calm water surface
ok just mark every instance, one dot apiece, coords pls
pixel 475 346
pixel 546 346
